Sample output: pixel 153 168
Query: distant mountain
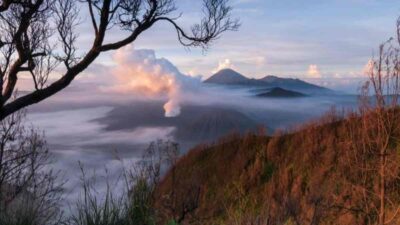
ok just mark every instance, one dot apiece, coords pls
pixel 194 124
pixel 231 77
pixel 281 93
pixel 289 83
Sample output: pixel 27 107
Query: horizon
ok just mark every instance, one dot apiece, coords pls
pixel 181 112
pixel 287 39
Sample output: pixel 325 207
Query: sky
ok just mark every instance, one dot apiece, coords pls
pixel 327 42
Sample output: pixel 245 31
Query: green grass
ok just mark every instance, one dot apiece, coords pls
pixel 268 172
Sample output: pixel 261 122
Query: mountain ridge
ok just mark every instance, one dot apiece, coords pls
pixel 281 93
pixel 233 78
pixel 292 178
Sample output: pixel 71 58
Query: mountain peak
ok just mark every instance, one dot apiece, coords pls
pixel 226 76
pixel 228 70
pixel 270 78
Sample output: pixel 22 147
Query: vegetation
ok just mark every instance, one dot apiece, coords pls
pixel 341 169
pixel 39 36
pixel 29 193
pixel 133 203
pixel 314 178
pixel 314 174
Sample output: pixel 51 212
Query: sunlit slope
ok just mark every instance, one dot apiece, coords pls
pixel 305 177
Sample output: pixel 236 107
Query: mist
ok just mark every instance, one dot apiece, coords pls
pixel 108 118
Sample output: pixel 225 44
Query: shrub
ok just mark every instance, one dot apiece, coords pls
pixel 268 172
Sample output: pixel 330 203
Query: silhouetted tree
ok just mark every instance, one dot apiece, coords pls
pixel 38 35
pixel 29 191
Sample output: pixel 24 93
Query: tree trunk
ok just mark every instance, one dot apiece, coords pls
pixel 382 187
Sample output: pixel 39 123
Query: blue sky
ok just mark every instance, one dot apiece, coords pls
pixel 333 38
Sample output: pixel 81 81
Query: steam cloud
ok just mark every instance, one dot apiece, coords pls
pixel 225 64
pixel 141 72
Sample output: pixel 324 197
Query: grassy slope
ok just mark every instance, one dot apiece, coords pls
pixel 298 178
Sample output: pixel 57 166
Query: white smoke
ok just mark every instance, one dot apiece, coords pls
pixel 141 72
pixel 225 64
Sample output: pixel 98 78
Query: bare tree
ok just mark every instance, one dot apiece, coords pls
pixel 28 190
pixel 144 178
pixel 38 35
pixel 374 138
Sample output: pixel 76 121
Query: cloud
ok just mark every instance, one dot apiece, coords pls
pixel 368 68
pixel 314 72
pixel 225 64
pixel 140 72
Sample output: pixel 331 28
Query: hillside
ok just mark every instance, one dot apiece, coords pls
pixel 308 176
pixel 281 93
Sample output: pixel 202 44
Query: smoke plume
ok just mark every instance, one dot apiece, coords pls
pixel 141 72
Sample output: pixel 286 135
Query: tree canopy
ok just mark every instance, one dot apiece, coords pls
pixel 40 36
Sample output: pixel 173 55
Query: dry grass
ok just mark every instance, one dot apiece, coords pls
pixel 306 176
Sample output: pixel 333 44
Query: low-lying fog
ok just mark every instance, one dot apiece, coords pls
pixel 100 128
pixel 100 134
